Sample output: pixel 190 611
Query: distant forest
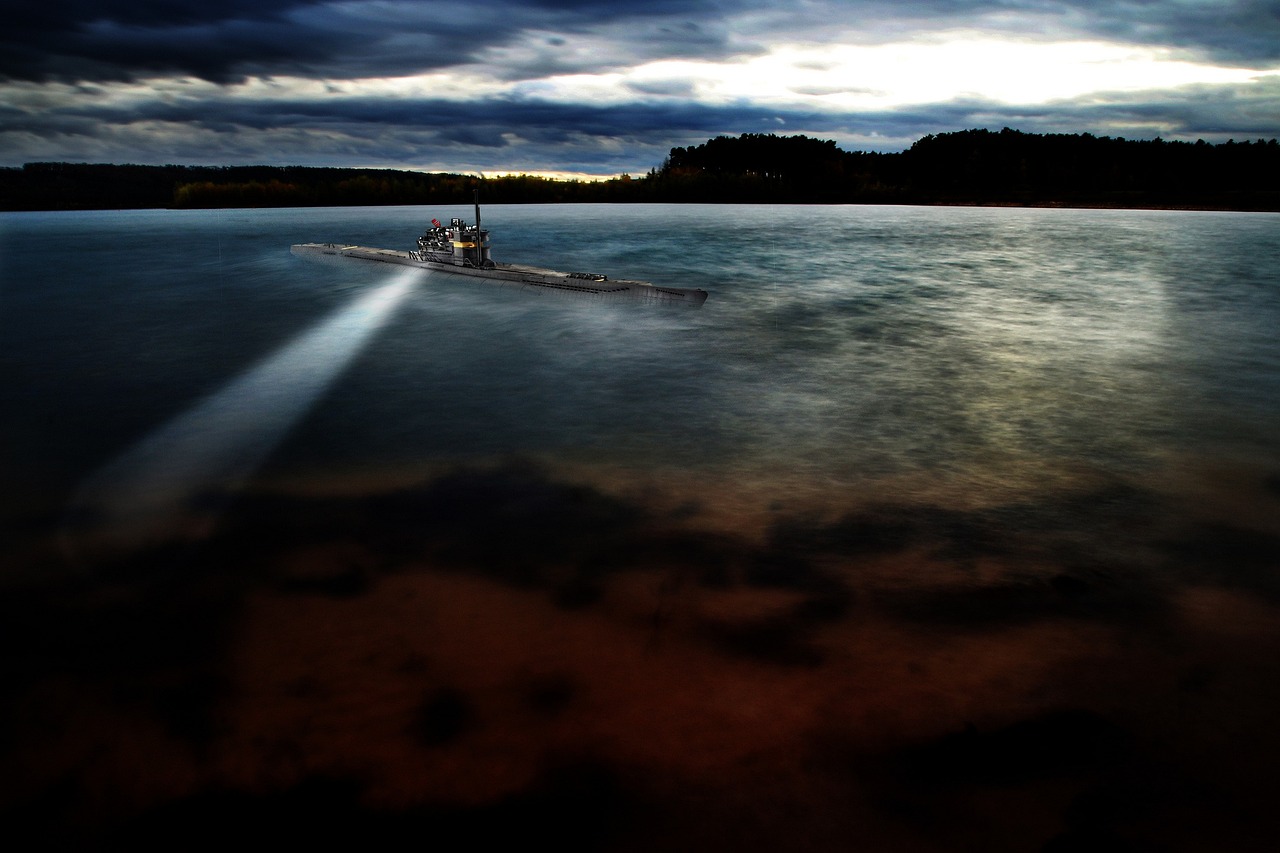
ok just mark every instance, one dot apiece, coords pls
pixel 971 167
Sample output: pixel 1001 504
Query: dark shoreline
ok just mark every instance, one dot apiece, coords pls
pixel 966 168
pixel 1269 205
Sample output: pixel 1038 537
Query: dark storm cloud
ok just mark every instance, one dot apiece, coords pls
pixel 1213 113
pixel 116 40
pixel 505 134
pixel 1205 109
pixel 517 116
pixel 298 38
pixel 1243 31
pixel 476 135
pixel 90 39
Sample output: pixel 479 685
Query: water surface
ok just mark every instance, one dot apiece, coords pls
pixel 976 507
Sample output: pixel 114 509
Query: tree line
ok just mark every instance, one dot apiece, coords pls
pixel 965 167
pixel 978 167
pixel 79 186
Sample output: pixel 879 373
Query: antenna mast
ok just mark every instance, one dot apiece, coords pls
pixel 479 234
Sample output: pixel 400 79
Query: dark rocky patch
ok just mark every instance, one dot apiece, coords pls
pixel 446 714
pixel 513 524
pixel 1056 744
pixel 871 532
pixel 780 641
pixel 1230 556
pixel 154 641
pixel 711 558
pixel 1022 601
pixel 349 582
pixel 573 806
pixel 831 603
pixel 1271 484
pixel 577 592
pixel 45 819
pixel 780 568
pixel 1221 546
pixel 551 694
pixel 1055 528
pixel 1151 807
pixel 515 514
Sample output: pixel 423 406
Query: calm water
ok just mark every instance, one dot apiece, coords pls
pixel 985 351
pixel 920 470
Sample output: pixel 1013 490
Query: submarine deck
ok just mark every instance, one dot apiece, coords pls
pixel 513 275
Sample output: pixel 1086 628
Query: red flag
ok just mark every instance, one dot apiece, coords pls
pixel 435 222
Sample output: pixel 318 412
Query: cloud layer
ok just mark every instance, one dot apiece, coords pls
pixel 576 86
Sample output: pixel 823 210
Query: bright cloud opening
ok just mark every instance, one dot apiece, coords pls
pixel 881 76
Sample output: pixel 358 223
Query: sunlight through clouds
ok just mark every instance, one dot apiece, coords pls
pixel 597 88
pixel 876 77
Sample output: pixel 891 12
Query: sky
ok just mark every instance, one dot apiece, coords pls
pixel 595 88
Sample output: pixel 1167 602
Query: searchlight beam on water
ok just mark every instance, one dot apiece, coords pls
pixel 150 492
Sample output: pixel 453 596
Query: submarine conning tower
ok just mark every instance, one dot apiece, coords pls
pixel 457 243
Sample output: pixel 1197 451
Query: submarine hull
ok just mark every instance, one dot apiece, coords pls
pixel 513 275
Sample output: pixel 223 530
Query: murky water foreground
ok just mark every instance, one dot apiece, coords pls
pixel 959 534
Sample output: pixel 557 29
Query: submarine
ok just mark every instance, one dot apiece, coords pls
pixel 462 250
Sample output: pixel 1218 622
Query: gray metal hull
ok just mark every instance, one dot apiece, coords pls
pixel 512 275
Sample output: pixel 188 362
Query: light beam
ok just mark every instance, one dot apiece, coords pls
pixel 150 492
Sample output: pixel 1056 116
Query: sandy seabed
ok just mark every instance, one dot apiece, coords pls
pixel 505 654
